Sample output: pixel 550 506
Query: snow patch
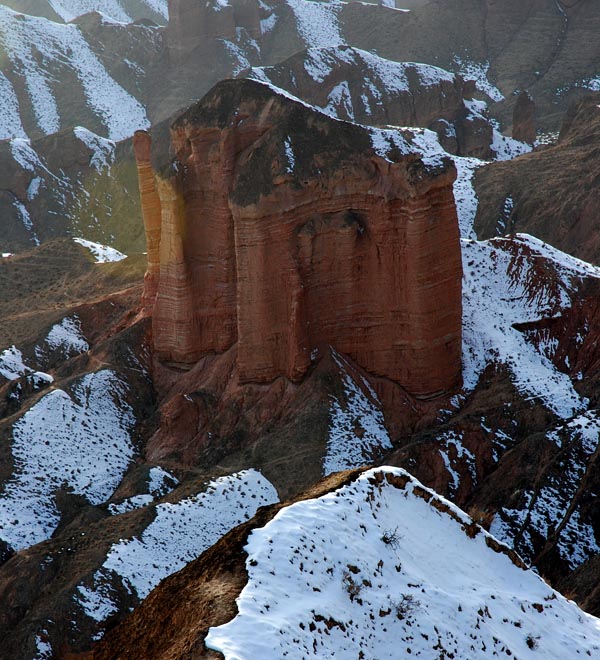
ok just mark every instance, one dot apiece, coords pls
pixel 12 365
pixel 68 336
pixel 160 483
pixel 478 71
pixel 102 253
pixel 289 154
pixel 317 22
pixel 10 118
pixel 103 150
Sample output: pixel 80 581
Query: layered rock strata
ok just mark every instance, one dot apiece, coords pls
pixel 151 213
pixel 283 229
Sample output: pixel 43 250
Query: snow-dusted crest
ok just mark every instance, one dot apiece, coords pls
pixel 386 566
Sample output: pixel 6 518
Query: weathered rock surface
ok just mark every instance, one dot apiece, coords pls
pixel 151 214
pixel 552 193
pixel 523 124
pixel 364 249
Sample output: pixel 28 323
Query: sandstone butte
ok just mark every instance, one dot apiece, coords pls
pixel 280 229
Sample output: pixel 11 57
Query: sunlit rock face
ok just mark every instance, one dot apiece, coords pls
pixel 283 229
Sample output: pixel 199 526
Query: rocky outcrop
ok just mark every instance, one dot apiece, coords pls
pixel 524 119
pixel 551 193
pixel 283 229
pixel 194 26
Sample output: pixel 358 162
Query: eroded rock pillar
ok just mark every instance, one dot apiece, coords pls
pixel 151 214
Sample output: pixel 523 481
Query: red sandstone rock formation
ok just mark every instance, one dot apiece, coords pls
pixel 282 230
pixel 151 213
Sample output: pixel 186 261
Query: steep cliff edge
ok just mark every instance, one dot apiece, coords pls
pixel 283 229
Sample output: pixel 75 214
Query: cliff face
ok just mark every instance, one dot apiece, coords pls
pixel 283 230
pixel 194 26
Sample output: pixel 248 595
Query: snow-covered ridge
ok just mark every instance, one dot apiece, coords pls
pixel 321 62
pixel 123 11
pixel 386 566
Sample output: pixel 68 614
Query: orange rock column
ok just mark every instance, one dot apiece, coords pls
pixel 151 214
pixel 172 320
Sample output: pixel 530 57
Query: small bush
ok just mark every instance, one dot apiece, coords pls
pixel 351 586
pixel 392 538
pixel 405 606
pixel 532 642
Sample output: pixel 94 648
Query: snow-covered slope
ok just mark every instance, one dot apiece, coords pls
pixel 79 440
pixel 554 506
pixel 513 281
pixel 360 86
pixel 384 568
pixel 41 57
pixel 124 11
pixel 179 533
pixel 357 433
